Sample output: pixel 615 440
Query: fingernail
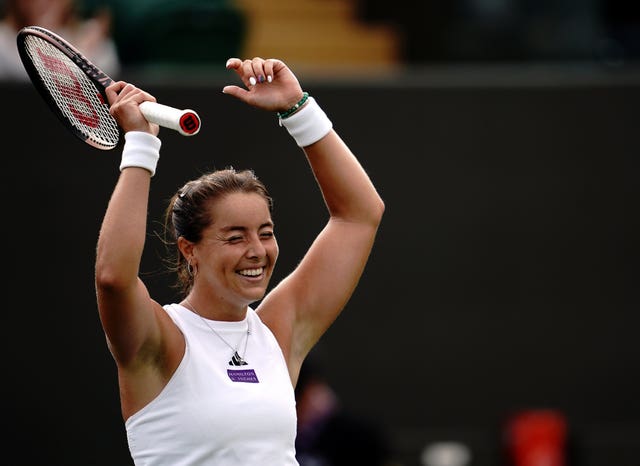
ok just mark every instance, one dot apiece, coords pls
pixel 269 78
pixel 228 63
pixel 252 81
pixel 260 79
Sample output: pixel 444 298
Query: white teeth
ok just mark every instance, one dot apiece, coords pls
pixel 251 272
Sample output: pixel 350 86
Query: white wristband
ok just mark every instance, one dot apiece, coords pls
pixel 307 125
pixel 140 150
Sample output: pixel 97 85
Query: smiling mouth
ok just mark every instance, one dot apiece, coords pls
pixel 251 272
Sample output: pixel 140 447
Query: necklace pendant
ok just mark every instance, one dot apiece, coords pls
pixel 236 360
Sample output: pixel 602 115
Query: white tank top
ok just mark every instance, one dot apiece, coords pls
pixel 212 413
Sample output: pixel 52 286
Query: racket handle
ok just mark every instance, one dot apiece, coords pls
pixel 186 122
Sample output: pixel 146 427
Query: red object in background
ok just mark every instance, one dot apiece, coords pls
pixel 537 438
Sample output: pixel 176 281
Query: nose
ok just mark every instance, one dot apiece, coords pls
pixel 255 248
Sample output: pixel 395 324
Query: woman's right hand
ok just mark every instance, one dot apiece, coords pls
pixel 125 100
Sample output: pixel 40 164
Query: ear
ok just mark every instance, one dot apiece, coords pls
pixel 186 248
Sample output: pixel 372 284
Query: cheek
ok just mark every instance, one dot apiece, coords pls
pixel 275 251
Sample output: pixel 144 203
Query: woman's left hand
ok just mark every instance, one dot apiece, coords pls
pixel 270 84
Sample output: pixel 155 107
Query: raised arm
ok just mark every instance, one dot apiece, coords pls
pixel 327 276
pixel 301 308
pixel 126 310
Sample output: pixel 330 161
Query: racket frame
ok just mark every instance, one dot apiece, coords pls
pixel 100 79
pixel 186 122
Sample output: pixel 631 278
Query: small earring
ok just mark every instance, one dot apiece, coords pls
pixel 189 269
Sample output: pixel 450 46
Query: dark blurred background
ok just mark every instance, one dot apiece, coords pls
pixel 370 33
pixel 500 305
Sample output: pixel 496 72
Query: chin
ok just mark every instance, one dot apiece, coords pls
pixel 257 295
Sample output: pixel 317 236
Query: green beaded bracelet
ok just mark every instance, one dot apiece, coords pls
pixel 294 109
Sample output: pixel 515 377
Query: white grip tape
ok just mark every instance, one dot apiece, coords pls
pixel 308 125
pixel 140 150
pixel 186 122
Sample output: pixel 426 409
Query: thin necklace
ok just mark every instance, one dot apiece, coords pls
pixel 236 359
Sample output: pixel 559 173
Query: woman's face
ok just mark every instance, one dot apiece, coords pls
pixel 238 251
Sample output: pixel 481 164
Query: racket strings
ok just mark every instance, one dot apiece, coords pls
pixel 75 95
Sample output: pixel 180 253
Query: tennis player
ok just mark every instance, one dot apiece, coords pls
pixel 210 380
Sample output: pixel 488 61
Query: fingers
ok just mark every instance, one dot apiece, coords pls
pixel 121 90
pixel 255 71
pixel 262 70
pixel 113 90
pixel 233 63
pixel 125 99
pixel 234 91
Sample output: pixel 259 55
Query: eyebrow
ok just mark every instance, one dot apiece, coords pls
pixel 242 228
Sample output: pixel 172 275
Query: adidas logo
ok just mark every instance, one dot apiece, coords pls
pixel 236 360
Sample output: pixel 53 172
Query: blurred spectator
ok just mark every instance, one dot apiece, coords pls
pixel 330 435
pixel 512 30
pixel 176 33
pixel 90 35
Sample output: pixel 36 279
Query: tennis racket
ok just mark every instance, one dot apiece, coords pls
pixel 74 88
